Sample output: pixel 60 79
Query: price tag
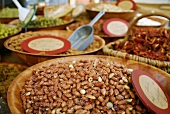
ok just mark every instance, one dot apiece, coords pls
pixel 115 27
pixel 46 44
pixel 150 92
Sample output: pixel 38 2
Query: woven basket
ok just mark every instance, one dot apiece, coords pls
pixel 164 65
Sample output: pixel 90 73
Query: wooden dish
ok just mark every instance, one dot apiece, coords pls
pixel 128 16
pixel 164 65
pixel 31 59
pixel 59 27
pixel 6 20
pixel 162 22
pixel 2 40
pixel 14 99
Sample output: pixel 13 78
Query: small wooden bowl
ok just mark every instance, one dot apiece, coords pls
pixel 31 59
pixel 6 20
pixel 162 22
pixel 59 27
pixel 128 16
pixel 14 99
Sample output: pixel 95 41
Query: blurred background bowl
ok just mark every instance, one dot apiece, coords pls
pixel 2 40
pixel 58 27
pixel 128 16
pixel 31 59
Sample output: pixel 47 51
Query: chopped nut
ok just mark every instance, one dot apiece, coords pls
pixel 53 111
pixel 131 108
pixel 121 81
pixel 90 96
pixel 27 110
pixel 124 79
pixel 71 66
pixel 103 91
pixel 99 79
pixel 82 91
pixel 28 93
pixel 126 87
pixel 54 97
pixel 113 109
pixel 109 105
pixel 111 75
pixel 129 100
pixel 130 70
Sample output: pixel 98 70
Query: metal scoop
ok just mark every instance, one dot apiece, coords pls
pixel 83 36
pixel 22 11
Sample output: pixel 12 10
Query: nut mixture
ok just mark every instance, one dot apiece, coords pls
pixel 93 86
pixel 15 44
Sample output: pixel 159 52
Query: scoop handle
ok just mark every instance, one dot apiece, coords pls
pixel 17 3
pixel 100 14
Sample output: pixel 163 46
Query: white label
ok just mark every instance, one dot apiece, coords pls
pixel 46 44
pixel 117 28
pixel 153 92
pixel 126 5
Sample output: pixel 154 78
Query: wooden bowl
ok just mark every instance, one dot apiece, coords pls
pixel 128 16
pixel 160 20
pixel 2 40
pixel 59 27
pixel 31 59
pixel 14 99
pixel 6 20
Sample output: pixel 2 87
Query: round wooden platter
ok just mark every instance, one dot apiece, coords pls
pixel 31 59
pixel 14 99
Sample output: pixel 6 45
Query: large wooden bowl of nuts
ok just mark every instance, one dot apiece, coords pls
pixel 111 11
pixel 14 44
pixel 87 84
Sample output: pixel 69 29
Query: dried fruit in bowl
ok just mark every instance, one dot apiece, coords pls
pixel 151 43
